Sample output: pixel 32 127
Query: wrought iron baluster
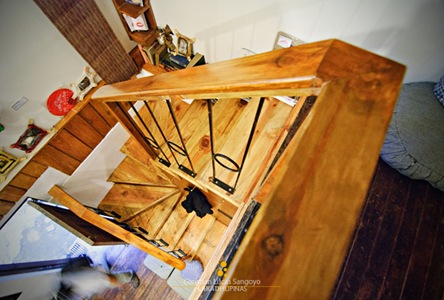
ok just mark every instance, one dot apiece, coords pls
pixel 216 156
pixel 161 131
pixel 176 148
pixel 150 141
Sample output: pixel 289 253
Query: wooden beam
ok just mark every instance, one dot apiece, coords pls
pixel 77 208
pixel 313 197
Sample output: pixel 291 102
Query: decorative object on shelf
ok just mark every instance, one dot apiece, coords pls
pixel 85 83
pixel 167 37
pixel 136 24
pixel 61 101
pixel 184 46
pixel 7 163
pixel 30 138
pixel 135 2
pixel 284 40
pixel 160 53
pixel 154 52
pixel 180 60
pixel 172 62
pixel 197 60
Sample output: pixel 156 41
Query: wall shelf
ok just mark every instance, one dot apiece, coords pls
pixel 141 37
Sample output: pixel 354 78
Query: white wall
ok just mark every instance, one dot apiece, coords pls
pixel 408 31
pixel 35 61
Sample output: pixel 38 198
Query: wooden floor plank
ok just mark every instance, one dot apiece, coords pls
pixel 422 253
pixel 365 233
pixel 382 251
pixel 151 286
pixel 434 285
pixel 403 251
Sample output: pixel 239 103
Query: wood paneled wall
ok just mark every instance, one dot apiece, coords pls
pixel 76 137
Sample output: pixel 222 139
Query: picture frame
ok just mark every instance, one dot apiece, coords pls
pixel 7 163
pixel 184 46
pixel 284 40
pixel 30 138
pixel 84 84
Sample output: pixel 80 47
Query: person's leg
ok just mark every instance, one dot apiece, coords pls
pixel 125 277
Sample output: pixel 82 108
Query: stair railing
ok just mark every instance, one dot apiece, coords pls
pixel 313 196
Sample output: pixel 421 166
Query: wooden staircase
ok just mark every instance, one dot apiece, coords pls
pixel 311 198
pixel 147 199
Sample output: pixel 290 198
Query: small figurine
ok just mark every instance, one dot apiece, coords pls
pixel 167 35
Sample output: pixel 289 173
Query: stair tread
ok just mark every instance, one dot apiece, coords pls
pixel 132 171
pixel 126 199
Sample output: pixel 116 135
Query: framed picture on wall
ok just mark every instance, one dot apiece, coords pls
pixel 32 136
pixel 84 84
pixel 7 163
pixel 284 40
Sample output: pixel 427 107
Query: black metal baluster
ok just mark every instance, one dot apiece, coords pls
pixel 176 147
pixel 250 138
pixel 217 156
pixel 161 132
pixel 150 141
pixel 210 120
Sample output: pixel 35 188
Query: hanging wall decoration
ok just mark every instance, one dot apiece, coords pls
pixel 7 163
pixel 61 101
pixel 30 138
pixel 84 84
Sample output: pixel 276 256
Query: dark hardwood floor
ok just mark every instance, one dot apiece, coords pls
pixel 398 247
pixel 397 251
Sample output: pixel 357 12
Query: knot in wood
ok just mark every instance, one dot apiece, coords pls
pixel 273 244
pixel 205 142
pixel 284 61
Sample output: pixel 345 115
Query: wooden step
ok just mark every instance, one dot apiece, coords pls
pixel 134 150
pixel 195 233
pixel 175 226
pixel 153 219
pixel 132 171
pixel 210 242
pixel 127 199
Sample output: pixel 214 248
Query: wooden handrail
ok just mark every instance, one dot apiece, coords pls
pixel 281 72
pixel 314 195
pixel 82 212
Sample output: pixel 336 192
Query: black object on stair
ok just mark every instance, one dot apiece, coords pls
pixel 198 202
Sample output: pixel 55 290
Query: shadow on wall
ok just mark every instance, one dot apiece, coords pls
pixel 247 31
pixel 418 44
pixel 409 34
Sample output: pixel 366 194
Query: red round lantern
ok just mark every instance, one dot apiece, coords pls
pixel 60 102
